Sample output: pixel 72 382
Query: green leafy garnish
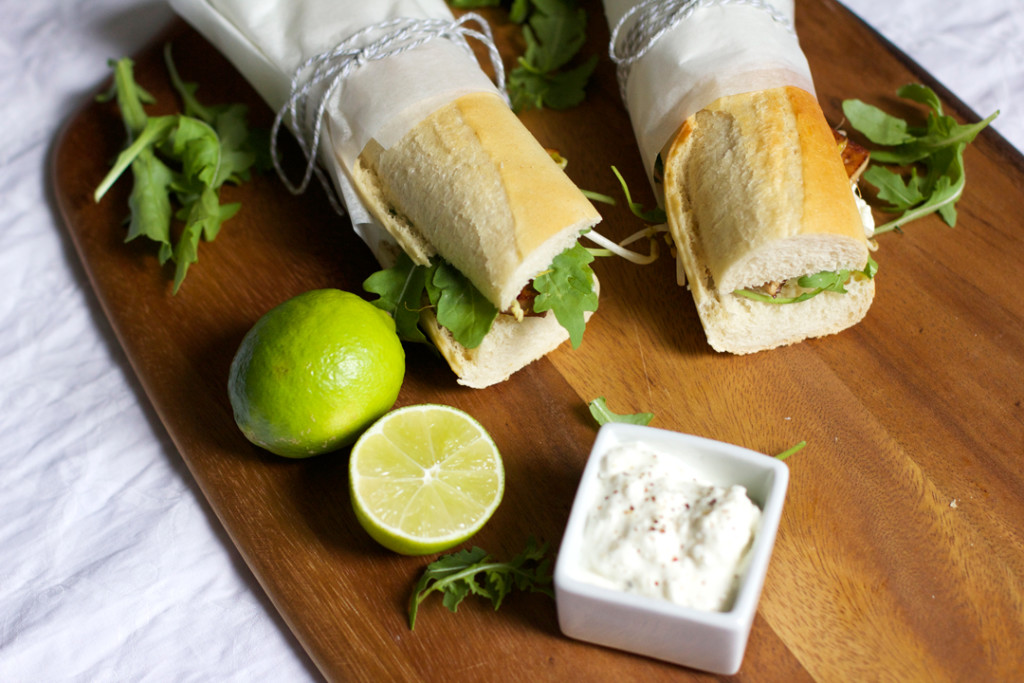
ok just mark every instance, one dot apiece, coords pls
pixel 938 147
pixel 178 164
pixel 600 411
pixel 816 283
pixel 567 288
pixel 460 307
pixel 554 31
pixel 406 288
pixel 476 572
pixel 401 288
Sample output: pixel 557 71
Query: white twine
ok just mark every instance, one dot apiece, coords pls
pixel 655 18
pixel 332 67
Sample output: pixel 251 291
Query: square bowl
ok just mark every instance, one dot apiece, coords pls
pixel 655 627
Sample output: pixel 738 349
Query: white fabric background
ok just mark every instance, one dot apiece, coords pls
pixel 112 567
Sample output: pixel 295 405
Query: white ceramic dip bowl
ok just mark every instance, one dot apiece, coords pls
pixel 714 641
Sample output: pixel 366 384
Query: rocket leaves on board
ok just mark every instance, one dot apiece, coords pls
pixel 938 147
pixel 473 571
pixel 547 74
pixel 178 164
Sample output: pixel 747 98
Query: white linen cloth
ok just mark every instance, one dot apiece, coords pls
pixel 112 567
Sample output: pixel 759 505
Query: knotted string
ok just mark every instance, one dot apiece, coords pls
pixel 331 68
pixel 655 18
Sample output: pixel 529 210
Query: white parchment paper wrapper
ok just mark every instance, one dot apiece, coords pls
pixel 719 50
pixel 268 40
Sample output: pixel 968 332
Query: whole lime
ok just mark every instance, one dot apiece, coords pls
pixel 314 372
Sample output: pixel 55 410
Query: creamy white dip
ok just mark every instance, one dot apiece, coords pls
pixel 658 529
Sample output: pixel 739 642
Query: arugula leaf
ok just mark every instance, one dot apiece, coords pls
pixel 562 26
pixel 600 411
pixel 938 146
pixel 474 571
pixel 149 203
pixel 554 32
pixel 901 194
pixel 825 281
pixel 400 289
pixel 876 125
pixel 530 88
pixel 405 288
pixel 567 288
pixel 461 308
pixel 196 145
pixel 178 160
pixel 144 139
pixel 519 10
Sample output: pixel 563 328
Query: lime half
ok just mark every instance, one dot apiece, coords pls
pixel 425 478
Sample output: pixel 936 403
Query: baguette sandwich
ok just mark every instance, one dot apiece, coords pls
pixel 766 222
pixel 469 185
pixel 472 220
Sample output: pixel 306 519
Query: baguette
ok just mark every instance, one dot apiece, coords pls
pixel 424 153
pixel 469 183
pixel 756 193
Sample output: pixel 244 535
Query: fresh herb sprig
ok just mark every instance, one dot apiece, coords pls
pixel 555 31
pixel 475 572
pixel 603 414
pixel 938 146
pixel 178 163
pixel 405 288
pixel 566 288
pixel 548 73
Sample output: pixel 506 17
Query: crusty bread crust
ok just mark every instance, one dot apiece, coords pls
pixel 737 325
pixel 470 183
pixel 510 346
pixel 756 192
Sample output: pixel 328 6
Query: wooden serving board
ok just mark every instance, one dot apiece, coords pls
pixel 901 548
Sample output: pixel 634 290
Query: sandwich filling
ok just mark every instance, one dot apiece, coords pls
pixel 855 159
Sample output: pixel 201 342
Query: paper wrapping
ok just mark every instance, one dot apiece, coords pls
pixel 268 40
pixel 719 50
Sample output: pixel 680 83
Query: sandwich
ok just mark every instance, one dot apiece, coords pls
pixel 472 221
pixel 769 232
pixel 766 221
pixel 470 188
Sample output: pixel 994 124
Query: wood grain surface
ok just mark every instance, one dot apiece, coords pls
pixel 900 554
